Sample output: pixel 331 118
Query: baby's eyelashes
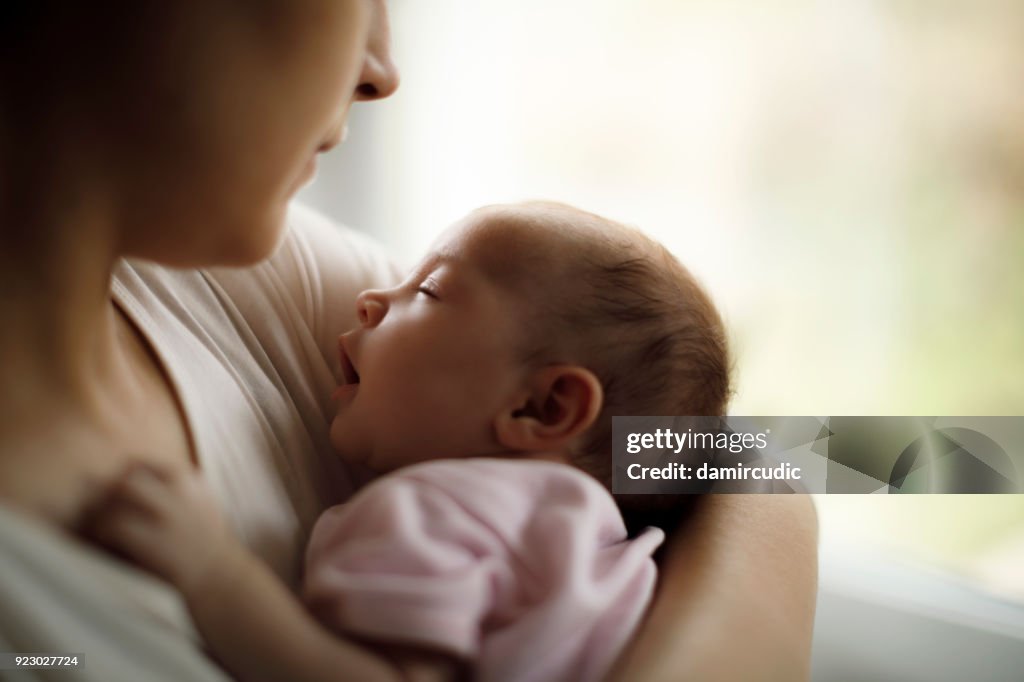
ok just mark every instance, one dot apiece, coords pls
pixel 428 288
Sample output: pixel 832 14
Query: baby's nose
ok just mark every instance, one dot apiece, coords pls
pixel 371 306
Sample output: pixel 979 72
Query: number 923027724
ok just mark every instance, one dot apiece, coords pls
pixel 37 661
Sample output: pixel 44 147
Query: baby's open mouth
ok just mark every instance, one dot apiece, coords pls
pixel 348 371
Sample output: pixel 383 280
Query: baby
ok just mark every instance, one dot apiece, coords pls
pixel 484 386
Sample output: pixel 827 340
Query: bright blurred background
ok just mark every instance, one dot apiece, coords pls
pixel 846 177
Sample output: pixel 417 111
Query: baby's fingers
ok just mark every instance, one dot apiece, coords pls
pixel 132 533
pixel 165 521
pixel 147 489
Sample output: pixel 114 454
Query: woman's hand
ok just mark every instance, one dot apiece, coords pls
pixel 168 523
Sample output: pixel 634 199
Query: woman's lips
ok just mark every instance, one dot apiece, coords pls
pixel 336 137
pixel 308 171
pixel 305 176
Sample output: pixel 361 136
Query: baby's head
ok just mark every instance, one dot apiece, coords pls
pixel 522 332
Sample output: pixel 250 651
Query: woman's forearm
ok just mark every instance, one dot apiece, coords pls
pixel 736 595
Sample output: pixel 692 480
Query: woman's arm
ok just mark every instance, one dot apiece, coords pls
pixel 736 595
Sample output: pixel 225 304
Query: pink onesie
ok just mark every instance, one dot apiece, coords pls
pixel 521 567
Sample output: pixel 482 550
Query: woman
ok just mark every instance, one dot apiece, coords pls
pixel 143 146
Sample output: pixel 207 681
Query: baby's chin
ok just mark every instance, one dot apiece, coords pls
pixel 363 456
pixel 345 450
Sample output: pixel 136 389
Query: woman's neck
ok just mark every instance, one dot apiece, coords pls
pixel 81 393
pixel 60 327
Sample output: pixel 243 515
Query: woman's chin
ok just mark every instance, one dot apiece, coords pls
pixel 256 244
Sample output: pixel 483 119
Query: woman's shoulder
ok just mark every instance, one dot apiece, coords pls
pixel 323 266
pixel 318 269
pixel 305 290
pixel 252 353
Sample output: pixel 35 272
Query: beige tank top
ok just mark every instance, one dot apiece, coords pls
pixel 252 355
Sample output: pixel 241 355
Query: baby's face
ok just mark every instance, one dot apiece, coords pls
pixel 434 360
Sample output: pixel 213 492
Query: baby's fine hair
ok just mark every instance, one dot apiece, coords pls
pixel 624 307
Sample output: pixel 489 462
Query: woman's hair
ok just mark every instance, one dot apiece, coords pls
pixel 627 309
pixel 63 65
pixel 49 48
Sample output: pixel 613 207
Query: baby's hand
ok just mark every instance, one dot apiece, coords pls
pixel 168 523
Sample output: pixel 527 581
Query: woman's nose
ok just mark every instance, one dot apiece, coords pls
pixel 372 306
pixel 379 78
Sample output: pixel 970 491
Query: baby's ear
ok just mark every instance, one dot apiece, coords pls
pixel 557 404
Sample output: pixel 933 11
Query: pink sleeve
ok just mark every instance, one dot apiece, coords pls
pixel 403 562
